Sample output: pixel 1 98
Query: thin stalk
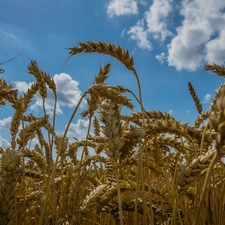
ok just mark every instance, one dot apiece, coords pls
pixel 212 163
pixel 53 124
pixel 81 160
pixel 57 159
pixel 119 193
pixel 141 168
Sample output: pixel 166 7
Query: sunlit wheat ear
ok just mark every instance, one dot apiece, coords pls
pixel 110 117
pixel 96 126
pixel 94 99
pixel 28 131
pixel 7 93
pixel 108 92
pixel 36 157
pixel 10 165
pixel 105 48
pixel 103 194
pixel 33 69
pixel 190 172
pixel 100 92
pixel 195 98
pixel 102 74
pixel 15 126
pixel 201 118
pixel 64 146
pixel 217 120
pixel 217 69
pixel 30 93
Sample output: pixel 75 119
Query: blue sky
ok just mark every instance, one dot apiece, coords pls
pixel 170 41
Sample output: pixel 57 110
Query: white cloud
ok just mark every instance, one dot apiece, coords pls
pixel 4 143
pixel 161 57
pixel 199 36
pixel 215 49
pixel 170 111
pixel 122 7
pixel 5 123
pixel 68 94
pixel 156 19
pixel 78 130
pixel 207 98
pixel 123 32
pixel 67 90
pixel 188 111
pixel 142 2
pixel 22 86
pixel 137 33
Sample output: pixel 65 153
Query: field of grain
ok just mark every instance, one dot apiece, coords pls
pixel 147 167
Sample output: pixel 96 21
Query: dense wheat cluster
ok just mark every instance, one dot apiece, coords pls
pixel 142 168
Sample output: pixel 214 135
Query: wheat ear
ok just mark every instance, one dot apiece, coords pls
pixel 195 98
pixel 10 163
pixel 218 70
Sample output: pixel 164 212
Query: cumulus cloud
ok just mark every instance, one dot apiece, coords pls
pixel 215 49
pixel 78 130
pixel 207 98
pixel 156 25
pixel 197 39
pixel 161 57
pixel 199 36
pixel 142 2
pixel 68 94
pixel 156 18
pixel 170 111
pixel 139 34
pixel 5 123
pixel 4 143
pixel 122 7
pixel 22 86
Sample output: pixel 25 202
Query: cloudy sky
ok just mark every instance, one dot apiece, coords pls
pixel 170 40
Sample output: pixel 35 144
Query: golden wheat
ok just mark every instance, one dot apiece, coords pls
pixel 142 168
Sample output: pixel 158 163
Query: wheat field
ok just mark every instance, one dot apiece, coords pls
pixel 147 167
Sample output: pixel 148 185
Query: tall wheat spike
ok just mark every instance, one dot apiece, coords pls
pixel 195 98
